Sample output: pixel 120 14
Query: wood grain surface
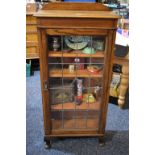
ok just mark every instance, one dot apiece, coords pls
pixel 76 14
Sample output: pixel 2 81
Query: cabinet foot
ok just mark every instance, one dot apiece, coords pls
pixel 101 141
pixel 47 144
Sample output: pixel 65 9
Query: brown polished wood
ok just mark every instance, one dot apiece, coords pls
pixel 77 14
pixel 76 31
pixel 108 75
pixel 76 6
pixel 44 78
pixel 98 54
pixel 32 51
pixel 70 106
pixel 79 73
pixel 86 19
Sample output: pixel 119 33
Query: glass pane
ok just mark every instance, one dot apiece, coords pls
pixel 92 123
pixel 76 65
pixel 56 119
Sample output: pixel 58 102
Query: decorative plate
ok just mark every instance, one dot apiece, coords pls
pixel 77 42
pixel 93 68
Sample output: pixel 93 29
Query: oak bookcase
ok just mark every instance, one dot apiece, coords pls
pixel 76 45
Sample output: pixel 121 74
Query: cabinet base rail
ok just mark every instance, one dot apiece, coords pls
pixel 72 135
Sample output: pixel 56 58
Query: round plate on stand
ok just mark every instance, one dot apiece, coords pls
pixel 77 42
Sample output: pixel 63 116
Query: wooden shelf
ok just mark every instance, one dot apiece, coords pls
pixel 92 123
pixel 30 12
pixel 79 73
pixel 78 53
pixel 31 32
pixel 31 23
pixel 32 55
pixel 31 43
pixel 121 61
pixel 71 106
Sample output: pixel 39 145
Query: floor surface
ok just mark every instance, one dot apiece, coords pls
pixel 117 135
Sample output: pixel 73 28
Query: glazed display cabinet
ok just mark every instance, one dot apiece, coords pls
pixel 76 50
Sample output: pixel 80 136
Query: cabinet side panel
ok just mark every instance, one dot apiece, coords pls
pixel 44 78
pixel 110 41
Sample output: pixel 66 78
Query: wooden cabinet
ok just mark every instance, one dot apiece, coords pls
pixel 32 51
pixel 76 51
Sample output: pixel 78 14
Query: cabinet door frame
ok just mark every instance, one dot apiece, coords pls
pixel 108 63
pixel 43 53
pixel 107 72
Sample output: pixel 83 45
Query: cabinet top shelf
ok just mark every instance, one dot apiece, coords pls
pixel 75 14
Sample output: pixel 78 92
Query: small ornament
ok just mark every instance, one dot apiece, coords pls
pixel 55 44
pixel 78 97
pixel 96 92
pixel 98 45
pixel 93 68
pixel 71 68
pixel 89 50
pixel 79 63
pixel 89 98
